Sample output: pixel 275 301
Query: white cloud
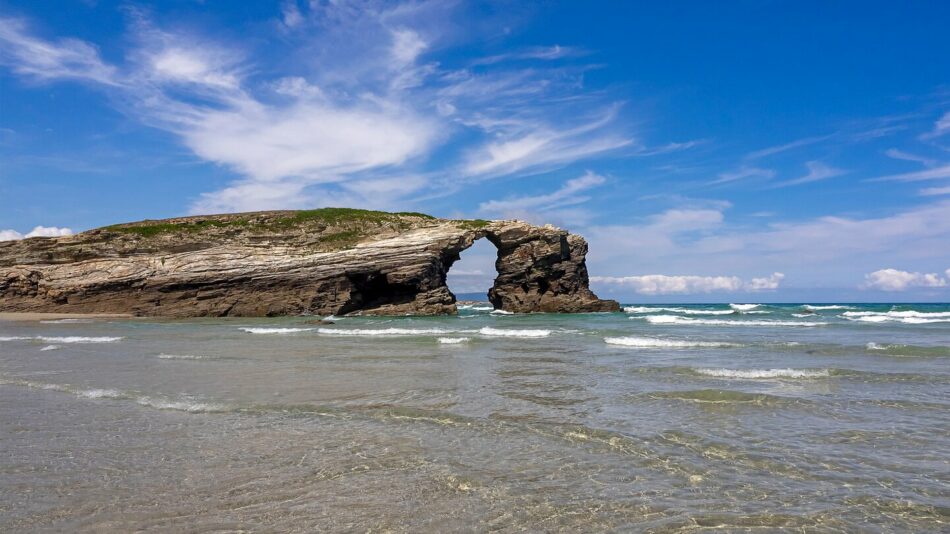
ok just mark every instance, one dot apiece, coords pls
pixel 896 280
pixel 935 191
pixel 816 171
pixel 929 174
pixel 47 60
pixel 660 284
pixel 353 104
pixel 566 195
pixel 543 147
pixel 941 127
pixel 906 156
pixel 786 147
pixel 38 231
pixel 290 14
pixel 821 252
pixel 742 172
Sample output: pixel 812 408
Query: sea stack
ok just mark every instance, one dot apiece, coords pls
pixel 326 261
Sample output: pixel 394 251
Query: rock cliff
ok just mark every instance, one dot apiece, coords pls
pixel 327 261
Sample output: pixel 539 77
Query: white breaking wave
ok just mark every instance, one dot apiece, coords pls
pixel 453 340
pixel 100 394
pixel 78 339
pixel 687 311
pixel 906 317
pixel 875 346
pixel 744 307
pixel 497 332
pixel 911 313
pixel 275 330
pixel 675 319
pixel 829 307
pixel 49 347
pixel 383 331
pixel 190 406
pixel 180 357
pixel 67 339
pixel 656 343
pixel 803 315
pixel 765 373
pixel 65 321
pixel 502 312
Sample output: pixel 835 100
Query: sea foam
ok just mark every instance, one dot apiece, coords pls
pixel 906 317
pixel 275 330
pixel 498 332
pixel 657 343
pixel 765 373
pixel 687 311
pixel 675 319
pixel 453 340
pixel 383 331
pixel 744 307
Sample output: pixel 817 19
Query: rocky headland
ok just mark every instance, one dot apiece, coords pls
pixel 326 261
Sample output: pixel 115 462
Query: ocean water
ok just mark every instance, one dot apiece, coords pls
pixel 764 418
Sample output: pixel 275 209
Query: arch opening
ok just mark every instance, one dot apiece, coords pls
pixel 473 274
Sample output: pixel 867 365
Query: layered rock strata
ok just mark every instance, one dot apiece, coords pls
pixel 329 261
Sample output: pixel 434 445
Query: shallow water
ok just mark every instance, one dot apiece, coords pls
pixel 684 418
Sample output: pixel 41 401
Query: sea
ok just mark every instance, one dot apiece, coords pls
pixel 660 418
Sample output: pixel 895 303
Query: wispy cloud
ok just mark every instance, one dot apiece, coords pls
pixel 936 173
pixel 742 173
pixel 769 151
pixel 567 195
pixel 372 110
pixel 906 156
pixel 44 60
pixel 816 171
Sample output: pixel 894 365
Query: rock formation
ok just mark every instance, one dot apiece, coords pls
pixel 328 261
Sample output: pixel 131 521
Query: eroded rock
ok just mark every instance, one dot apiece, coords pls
pixel 291 263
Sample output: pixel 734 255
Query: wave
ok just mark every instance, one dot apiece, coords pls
pixel 184 404
pixel 744 307
pixel 502 312
pixel 675 319
pixel 181 405
pixel 181 357
pixel 804 315
pixel 67 339
pixel 718 396
pixel 453 340
pixel 687 311
pixel 49 347
pixel 812 307
pixel 657 343
pixel 275 330
pixel 894 349
pixel 78 339
pixel 765 373
pixel 907 317
pixel 383 331
pixel 66 321
pixel 497 332
pixel 475 307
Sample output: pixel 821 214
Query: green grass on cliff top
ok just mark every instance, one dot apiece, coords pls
pixel 322 216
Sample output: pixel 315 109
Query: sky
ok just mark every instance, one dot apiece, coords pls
pixel 766 151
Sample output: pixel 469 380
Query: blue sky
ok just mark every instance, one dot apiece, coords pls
pixel 709 151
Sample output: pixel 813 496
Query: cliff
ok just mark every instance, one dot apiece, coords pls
pixel 326 261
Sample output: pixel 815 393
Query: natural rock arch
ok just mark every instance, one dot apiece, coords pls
pixel 292 263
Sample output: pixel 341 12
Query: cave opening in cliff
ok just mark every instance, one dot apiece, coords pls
pixel 473 274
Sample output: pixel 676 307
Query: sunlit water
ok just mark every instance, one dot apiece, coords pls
pixel 687 418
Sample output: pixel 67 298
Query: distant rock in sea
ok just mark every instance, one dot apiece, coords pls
pixel 329 261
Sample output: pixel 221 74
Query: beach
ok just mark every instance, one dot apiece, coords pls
pixel 660 418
